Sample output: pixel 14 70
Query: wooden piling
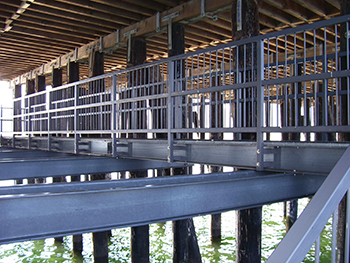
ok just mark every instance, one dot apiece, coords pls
pixel 344 42
pixel 73 76
pixel 139 235
pixel 248 242
pixel 100 246
pixel 245 23
pixel 99 239
pixel 292 213
pixel 216 100
pixel 288 109
pixel 185 245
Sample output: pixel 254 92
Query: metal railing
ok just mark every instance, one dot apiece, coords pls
pixel 294 82
pixel 309 225
pixel 6 122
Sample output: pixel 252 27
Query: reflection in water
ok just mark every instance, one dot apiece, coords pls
pixel 161 242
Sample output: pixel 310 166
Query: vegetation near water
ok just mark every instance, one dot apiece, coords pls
pixel 161 242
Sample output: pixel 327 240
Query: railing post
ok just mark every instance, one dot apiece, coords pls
pixel 76 119
pixel 29 123
pixel 260 105
pixel 114 116
pixel 49 128
pixel 1 115
pixel 170 88
pixel 347 229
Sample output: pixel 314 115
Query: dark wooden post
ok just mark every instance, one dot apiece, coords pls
pixel 344 42
pixel 291 207
pixel 97 64
pixel 56 77
pixel 139 235
pixel 73 72
pixel 249 235
pixel 99 239
pixel 185 245
pixel 245 23
pixel 56 81
pixel 291 213
pixel 216 122
pixel 40 83
pixel 30 89
pixel 73 75
pixel 30 86
pixel 17 125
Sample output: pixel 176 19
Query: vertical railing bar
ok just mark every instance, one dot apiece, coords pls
pixel 230 66
pixel 114 115
pixel 317 249
pixel 244 63
pixel 1 126
pixel 347 229
pixel 304 83
pixel 336 80
pixel 285 85
pixel 29 121
pixel 348 67
pixel 49 117
pixel 253 117
pixel 295 74
pixel 325 82
pixel 260 105
pixel 334 235
pixel 277 67
pixel 76 119
pixel 315 82
pixel 171 72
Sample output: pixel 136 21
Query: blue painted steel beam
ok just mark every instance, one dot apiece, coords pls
pixel 135 203
pixel 36 164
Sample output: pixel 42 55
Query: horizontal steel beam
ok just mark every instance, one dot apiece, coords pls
pixel 60 164
pixel 309 157
pixel 287 156
pixel 42 215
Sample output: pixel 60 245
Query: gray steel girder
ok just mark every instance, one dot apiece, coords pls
pixel 20 164
pixel 278 156
pixel 49 212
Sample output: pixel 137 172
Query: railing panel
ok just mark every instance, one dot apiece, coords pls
pixel 214 93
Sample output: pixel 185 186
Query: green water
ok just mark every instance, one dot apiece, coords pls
pixel 161 242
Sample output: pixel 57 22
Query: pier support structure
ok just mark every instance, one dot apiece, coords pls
pixel 245 23
pixel 139 235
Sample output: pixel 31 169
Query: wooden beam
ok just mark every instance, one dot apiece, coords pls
pixel 315 6
pixel 55 25
pixel 44 10
pixel 97 7
pixel 86 12
pixel 147 10
pixel 188 11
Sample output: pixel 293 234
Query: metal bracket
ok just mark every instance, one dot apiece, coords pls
pixel 59 62
pixel 202 8
pixel 128 34
pixel 118 38
pixel 170 16
pixel 101 44
pixel 158 22
pixel 76 54
pixel 91 48
pixel 239 15
pixel 70 56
